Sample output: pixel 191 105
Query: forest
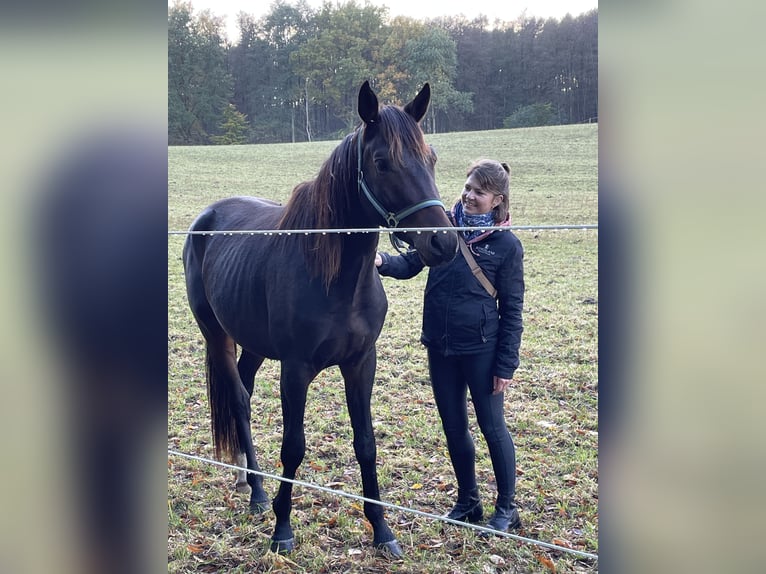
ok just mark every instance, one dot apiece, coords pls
pixel 294 74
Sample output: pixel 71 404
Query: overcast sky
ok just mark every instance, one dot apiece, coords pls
pixel 503 9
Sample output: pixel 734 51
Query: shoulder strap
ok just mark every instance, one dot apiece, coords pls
pixel 477 272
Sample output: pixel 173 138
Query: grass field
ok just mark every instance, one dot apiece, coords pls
pixel 551 409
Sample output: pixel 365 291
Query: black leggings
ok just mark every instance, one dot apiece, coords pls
pixel 451 377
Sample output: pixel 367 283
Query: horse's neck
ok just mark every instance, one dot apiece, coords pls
pixel 359 244
pixel 357 268
pixel 359 247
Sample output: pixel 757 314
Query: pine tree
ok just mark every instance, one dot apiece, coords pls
pixel 234 128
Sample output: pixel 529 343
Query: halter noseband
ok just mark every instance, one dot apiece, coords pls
pixel 392 219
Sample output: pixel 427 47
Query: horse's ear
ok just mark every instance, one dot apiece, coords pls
pixel 417 108
pixel 368 104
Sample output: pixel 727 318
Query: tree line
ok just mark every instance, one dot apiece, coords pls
pixel 294 74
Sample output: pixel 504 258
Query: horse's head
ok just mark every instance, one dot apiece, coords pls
pixel 396 174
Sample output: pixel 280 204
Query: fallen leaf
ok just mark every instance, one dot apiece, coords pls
pixel 194 548
pixel 562 542
pixel 497 560
pixel 547 562
pixel 416 486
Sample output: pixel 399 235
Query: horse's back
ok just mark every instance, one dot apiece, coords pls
pixel 233 213
pixel 238 213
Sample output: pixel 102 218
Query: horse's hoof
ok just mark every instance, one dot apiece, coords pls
pixel 390 549
pixel 243 487
pixel 259 506
pixel 283 546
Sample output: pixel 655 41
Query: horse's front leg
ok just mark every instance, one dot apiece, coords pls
pixel 359 378
pixel 294 383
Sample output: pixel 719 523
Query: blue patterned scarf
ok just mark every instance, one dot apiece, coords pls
pixel 463 219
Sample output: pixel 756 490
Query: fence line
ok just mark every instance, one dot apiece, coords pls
pixel 427 515
pixel 351 230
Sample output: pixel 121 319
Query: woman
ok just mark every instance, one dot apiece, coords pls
pixel 473 338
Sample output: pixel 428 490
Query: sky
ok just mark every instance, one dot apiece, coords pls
pixel 503 9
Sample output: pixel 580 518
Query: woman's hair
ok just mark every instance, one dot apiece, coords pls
pixel 494 176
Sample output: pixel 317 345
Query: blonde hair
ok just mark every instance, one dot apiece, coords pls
pixel 494 176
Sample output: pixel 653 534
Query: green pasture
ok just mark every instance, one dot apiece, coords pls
pixel 551 409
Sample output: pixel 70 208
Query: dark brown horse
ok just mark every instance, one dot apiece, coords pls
pixel 312 300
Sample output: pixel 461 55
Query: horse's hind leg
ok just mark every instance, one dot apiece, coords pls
pixel 230 410
pixel 358 378
pixel 248 366
pixel 228 397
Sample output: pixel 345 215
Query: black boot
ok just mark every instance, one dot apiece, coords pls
pixel 468 507
pixel 506 518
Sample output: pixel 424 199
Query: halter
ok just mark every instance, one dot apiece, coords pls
pixel 392 219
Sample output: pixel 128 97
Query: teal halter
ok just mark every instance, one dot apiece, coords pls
pixel 392 219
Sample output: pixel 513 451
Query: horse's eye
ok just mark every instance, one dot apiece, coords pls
pixel 381 165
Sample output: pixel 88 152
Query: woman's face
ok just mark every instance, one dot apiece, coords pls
pixel 476 200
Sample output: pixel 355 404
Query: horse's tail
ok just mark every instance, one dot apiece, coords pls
pixel 221 395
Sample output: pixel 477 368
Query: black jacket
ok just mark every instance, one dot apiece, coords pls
pixel 459 316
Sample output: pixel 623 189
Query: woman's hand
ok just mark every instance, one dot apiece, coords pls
pixel 378 260
pixel 500 385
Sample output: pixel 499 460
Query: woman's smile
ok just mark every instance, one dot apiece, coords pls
pixel 476 200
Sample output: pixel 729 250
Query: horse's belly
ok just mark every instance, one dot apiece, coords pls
pixel 280 329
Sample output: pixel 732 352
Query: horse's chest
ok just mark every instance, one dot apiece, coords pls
pixel 343 330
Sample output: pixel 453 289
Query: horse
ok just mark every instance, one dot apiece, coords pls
pixel 313 300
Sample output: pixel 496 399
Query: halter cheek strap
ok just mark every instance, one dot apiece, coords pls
pixel 391 218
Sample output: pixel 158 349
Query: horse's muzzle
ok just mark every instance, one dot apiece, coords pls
pixel 436 248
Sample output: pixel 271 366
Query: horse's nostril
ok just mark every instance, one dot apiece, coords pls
pixel 444 245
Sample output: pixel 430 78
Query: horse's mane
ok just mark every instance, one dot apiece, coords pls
pixel 325 202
